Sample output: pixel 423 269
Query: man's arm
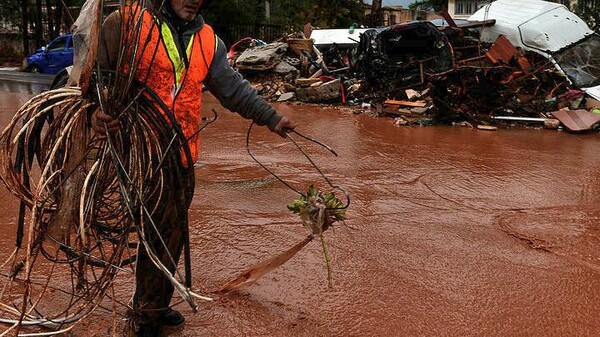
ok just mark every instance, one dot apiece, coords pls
pixel 236 94
pixel 108 54
pixel 110 42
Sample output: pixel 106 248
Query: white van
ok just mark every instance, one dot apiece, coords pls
pixel 551 30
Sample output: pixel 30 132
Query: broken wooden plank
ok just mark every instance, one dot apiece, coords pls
pixel 305 82
pixel 524 63
pixel 591 103
pixel 476 24
pixel 502 51
pixel 298 45
pixel 486 127
pixel 417 104
pixel 447 17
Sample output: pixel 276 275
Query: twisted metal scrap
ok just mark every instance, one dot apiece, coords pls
pixel 69 215
pixel 87 196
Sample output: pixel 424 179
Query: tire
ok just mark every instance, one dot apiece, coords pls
pixel 60 80
pixel 32 68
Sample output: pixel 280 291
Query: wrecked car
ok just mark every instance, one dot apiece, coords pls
pixel 551 30
pixel 337 44
pixel 402 55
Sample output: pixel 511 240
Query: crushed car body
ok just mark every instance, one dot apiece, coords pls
pixel 550 30
pixel 401 55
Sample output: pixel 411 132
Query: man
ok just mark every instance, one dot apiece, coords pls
pixel 178 53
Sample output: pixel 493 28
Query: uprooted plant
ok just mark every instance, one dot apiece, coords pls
pixel 318 211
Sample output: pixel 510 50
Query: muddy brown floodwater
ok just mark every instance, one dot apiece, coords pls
pixel 451 231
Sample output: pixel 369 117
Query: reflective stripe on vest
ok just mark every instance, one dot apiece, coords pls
pixel 177 60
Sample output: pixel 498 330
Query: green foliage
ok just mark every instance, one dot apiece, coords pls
pixel 589 11
pixel 318 210
pixel 10 11
pixel 336 13
pixel 291 13
pixel 428 5
pixel 234 11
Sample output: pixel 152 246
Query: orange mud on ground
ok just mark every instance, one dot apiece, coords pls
pixel 451 231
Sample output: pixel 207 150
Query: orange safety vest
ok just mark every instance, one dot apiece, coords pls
pixel 163 69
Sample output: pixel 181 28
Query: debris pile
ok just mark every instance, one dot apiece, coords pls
pixel 422 77
pixel 422 74
pixel 292 68
pixel 502 81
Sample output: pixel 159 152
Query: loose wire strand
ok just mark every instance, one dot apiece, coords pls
pixel 307 156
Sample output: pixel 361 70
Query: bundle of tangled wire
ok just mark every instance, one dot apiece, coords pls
pixel 87 194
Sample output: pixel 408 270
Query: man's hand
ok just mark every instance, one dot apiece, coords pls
pixel 284 126
pixel 101 122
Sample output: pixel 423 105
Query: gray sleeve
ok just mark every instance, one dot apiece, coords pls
pixel 235 93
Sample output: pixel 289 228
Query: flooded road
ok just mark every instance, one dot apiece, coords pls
pixel 451 231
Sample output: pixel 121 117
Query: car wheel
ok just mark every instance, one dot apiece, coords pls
pixel 32 68
pixel 61 79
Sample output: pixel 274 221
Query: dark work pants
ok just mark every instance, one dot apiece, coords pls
pixel 153 290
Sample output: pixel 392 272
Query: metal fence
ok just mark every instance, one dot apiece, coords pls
pixel 230 33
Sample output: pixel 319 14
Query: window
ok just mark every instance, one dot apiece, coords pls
pixel 58 44
pixel 589 4
pixel 468 7
pixel 581 62
pixel 392 20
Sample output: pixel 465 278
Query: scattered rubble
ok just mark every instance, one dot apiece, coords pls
pixel 262 57
pixel 421 74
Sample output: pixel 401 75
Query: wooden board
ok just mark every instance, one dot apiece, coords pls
pixel 487 128
pixel 417 104
pixel 502 51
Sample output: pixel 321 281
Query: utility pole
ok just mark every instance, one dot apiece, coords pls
pixel 268 10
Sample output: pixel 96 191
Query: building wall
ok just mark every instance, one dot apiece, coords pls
pixel 462 9
pixel 12 47
pixel 396 14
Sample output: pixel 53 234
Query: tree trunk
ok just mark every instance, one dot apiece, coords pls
pixel 377 12
pixel 52 30
pixel 58 16
pixel 24 26
pixel 39 30
pixel 376 6
pixel 375 18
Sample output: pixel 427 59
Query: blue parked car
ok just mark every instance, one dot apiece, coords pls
pixel 53 58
